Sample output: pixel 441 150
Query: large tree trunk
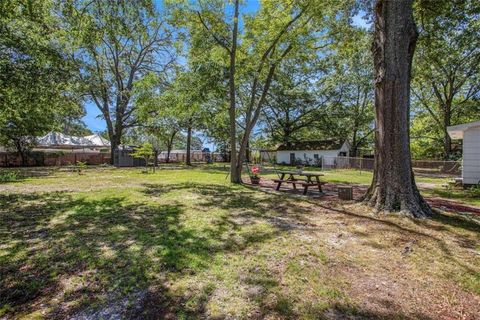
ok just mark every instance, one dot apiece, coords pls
pixel 21 152
pixel 235 172
pixel 447 141
pixel 114 143
pixel 393 187
pixel 170 145
pixel 167 160
pixel 113 147
pixel 111 136
pixel 354 149
pixel 189 144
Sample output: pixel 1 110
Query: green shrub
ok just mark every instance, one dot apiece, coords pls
pixel 81 166
pixel 473 192
pixel 9 176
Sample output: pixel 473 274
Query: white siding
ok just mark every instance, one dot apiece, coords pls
pixel 471 156
pixel 328 155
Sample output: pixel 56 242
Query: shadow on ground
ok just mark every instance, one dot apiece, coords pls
pixel 66 253
pixel 78 257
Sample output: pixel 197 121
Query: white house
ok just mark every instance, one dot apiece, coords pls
pixel 320 152
pixel 58 140
pixel 470 133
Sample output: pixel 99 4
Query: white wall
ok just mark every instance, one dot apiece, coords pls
pixel 328 155
pixel 471 156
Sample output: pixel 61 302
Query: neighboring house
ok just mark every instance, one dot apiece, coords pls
pixel 319 152
pixel 179 154
pixel 57 140
pixel 470 133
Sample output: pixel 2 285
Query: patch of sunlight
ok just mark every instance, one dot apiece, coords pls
pixel 107 251
pixel 135 247
pixel 37 314
pixel 60 219
pixel 7 248
pixel 118 228
pixel 152 254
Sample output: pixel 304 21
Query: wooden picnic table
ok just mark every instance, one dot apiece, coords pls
pixel 311 179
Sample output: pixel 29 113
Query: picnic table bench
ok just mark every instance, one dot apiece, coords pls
pixel 311 179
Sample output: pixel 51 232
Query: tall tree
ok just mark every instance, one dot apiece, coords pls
pixel 119 44
pixel 393 186
pixel 447 64
pixel 251 51
pixel 37 78
pixel 354 113
pixel 297 101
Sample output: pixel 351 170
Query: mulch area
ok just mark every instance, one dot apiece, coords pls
pixel 330 194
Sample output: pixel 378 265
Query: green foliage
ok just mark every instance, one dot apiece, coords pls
pixel 122 49
pixel 80 166
pixel 9 176
pixel 446 81
pixel 473 192
pixel 37 79
pixel 145 151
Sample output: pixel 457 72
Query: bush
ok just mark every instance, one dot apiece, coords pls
pixel 9 176
pixel 473 192
pixel 81 166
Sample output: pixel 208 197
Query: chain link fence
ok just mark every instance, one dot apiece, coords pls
pixel 423 167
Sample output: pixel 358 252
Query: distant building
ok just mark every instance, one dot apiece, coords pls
pixel 318 152
pixel 122 157
pixel 60 141
pixel 470 133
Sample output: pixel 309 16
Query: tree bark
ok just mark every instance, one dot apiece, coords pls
pixel 393 186
pixel 170 145
pixel 189 144
pixel 235 173
pixel 21 152
pixel 155 160
pixel 447 141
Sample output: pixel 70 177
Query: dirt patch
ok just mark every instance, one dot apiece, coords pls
pixel 330 194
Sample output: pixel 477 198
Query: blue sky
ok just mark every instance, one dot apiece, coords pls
pixel 93 118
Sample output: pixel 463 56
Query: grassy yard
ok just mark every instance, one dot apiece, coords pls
pixel 429 185
pixel 185 244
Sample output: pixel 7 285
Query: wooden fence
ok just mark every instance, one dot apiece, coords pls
pixel 39 159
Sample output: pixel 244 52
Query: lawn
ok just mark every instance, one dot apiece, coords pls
pixel 185 244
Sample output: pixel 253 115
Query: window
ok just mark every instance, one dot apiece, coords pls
pixel 315 156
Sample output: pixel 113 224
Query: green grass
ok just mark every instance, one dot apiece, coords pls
pixel 184 243
pixel 436 185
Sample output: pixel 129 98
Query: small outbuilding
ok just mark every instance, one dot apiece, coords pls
pixel 470 133
pixel 123 157
pixel 317 152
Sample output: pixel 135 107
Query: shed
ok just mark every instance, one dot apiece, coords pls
pixel 123 157
pixel 470 133
pixel 315 152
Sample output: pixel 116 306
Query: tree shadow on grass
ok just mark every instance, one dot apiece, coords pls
pixel 242 203
pixel 67 252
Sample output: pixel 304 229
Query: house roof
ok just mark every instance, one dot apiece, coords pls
pixel 456 132
pixel 330 144
pixel 57 139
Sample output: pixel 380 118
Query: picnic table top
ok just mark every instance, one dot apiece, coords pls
pixel 303 173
